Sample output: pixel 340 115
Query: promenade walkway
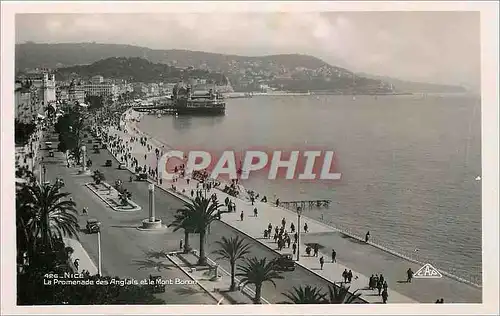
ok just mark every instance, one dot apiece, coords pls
pixel 363 259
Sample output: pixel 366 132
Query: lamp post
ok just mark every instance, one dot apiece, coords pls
pixel 299 212
pixel 99 268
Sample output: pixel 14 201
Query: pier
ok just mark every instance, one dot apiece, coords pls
pixel 305 203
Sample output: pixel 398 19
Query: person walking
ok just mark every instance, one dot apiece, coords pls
pixel 379 287
pixel 241 216
pixel 76 263
pixel 367 236
pixel 292 228
pixel 181 243
pixel 255 212
pixel 316 249
pixel 294 248
pixel 345 275
pixel 321 262
pixel 334 256
pixel 385 286
pixel 385 296
pixel 409 275
pixel 306 228
pixel 349 276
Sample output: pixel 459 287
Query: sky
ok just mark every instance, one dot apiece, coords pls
pixel 432 46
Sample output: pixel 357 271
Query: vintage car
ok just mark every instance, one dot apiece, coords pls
pixel 141 177
pixel 285 263
pixel 122 166
pixel 93 225
pixel 155 284
pixel 108 163
pixel 51 153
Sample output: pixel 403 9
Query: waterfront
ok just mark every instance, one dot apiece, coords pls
pixel 409 164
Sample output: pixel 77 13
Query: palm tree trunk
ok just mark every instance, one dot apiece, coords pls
pixel 203 258
pixel 233 285
pixel 258 289
pixel 187 247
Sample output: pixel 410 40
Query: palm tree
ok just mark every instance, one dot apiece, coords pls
pixel 340 295
pixel 199 215
pixel 45 215
pixel 181 222
pixel 305 295
pixel 257 272
pixel 232 249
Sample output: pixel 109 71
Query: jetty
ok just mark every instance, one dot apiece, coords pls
pixel 292 205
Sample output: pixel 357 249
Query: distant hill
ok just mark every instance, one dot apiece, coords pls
pixel 137 70
pixel 291 72
pixel 416 87
pixel 32 55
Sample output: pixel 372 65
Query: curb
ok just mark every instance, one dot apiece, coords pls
pixel 136 207
pixel 169 256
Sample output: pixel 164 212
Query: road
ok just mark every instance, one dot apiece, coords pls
pixel 122 240
pixel 121 243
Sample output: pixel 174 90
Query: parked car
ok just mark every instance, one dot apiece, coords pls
pixel 285 263
pixel 93 226
pixel 154 284
pixel 141 177
pixel 108 163
pixel 122 166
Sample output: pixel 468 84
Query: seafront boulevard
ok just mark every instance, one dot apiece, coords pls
pixel 363 259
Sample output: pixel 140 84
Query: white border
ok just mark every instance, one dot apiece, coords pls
pixel 490 158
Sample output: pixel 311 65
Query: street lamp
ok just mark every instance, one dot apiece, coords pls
pixel 299 212
pixel 99 268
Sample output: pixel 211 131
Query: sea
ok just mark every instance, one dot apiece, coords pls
pixel 410 164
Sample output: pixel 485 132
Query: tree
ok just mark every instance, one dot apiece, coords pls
pixel 257 272
pixel 340 295
pixel 199 215
pixel 232 249
pixel 23 131
pixel 98 177
pixel 45 214
pixel 182 222
pixel 305 295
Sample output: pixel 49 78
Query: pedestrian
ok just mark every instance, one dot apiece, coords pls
pixel 367 236
pixel 409 274
pixel 381 278
pixel 316 249
pixel 349 276
pixel 265 233
pixel 371 284
pixel 292 227
pixel 438 301
pixel 255 213
pixel 76 263
pixel 379 287
pixel 321 262
pixel 306 228
pixel 180 244
pixel 295 237
pixel 84 211
pixel 345 275
pixel 385 286
pixel 288 241
pixel 283 222
pixel 308 250
pixel 385 295
pixel 294 247
pixel 334 255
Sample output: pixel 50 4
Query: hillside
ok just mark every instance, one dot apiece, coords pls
pixel 31 55
pixel 137 70
pixel 292 72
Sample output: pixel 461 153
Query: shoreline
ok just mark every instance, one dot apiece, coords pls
pixel 131 124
